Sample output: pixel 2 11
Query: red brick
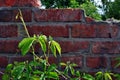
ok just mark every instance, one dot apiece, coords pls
pixel 52 30
pixel 106 47
pixel 58 14
pixel 9 15
pixel 83 31
pixel 89 19
pixel 75 46
pixel 73 59
pixel 8 31
pixel 5 15
pixel 8 46
pixel 27 15
pixel 20 3
pixel 21 58
pixel 3 61
pixel 53 60
pixel 106 31
pixel 96 62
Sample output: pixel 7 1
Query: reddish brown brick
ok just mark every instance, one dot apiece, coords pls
pixel 83 31
pixel 3 61
pixel 73 59
pixel 58 15
pixel 8 46
pixel 52 30
pixel 89 19
pixel 20 3
pixel 106 47
pixel 53 60
pixel 5 15
pixel 8 31
pixel 27 15
pixel 9 15
pixel 21 58
pixel 96 62
pixel 76 46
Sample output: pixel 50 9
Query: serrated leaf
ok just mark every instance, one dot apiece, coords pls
pixel 52 75
pixel 42 41
pixel 25 45
pixel 57 45
pixel 63 64
pixel 53 48
pixel 9 67
pixel 17 71
pixel 51 68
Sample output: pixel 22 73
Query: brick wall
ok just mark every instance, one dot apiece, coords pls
pixel 90 44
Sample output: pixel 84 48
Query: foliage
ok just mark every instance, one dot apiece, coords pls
pixel 91 10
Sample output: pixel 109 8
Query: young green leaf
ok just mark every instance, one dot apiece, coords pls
pixel 25 45
pixel 42 41
pixel 57 45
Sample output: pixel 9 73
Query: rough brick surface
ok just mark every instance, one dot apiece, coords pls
pixel 20 3
pixel 3 61
pixel 49 30
pixel 58 15
pixel 76 46
pixel 83 31
pixel 9 15
pixel 96 62
pixel 21 58
pixel 106 47
pixel 8 46
pixel 8 31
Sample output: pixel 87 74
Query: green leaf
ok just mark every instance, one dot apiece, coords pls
pixel 52 75
pixel 88 77
pixel 6 77
pixel 42 41
pixel 17 71
pixel 63 64
pixel 9 67
pixel 72 70
pixel 53 49
pixel 42 77
pixel 57 45
pixel 25 45
pixel 51 68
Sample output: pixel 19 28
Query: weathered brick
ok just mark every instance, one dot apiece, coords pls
pixel 8 46
pixel 20 3
pixel 21 58
pixel 26 13
pixel 9 15
pixel 52 30
pixel 83 31
pixel 106 47
pixel 96 62
pixel 53 60
pixel 58 14
pixel 106 31
pixel 74 46
pixel 3 61
pixel 89 19
pixel 73 59
pixel 8 31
